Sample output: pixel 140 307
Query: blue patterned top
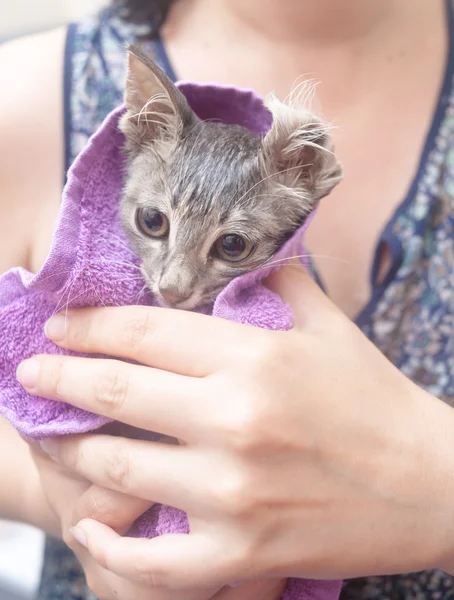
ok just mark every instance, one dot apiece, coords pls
pixel 410 316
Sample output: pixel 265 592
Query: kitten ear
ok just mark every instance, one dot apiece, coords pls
pixel 299 146
pixel 157 111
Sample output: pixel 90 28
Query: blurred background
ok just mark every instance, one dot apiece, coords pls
pixel 20 17
pixel 21 547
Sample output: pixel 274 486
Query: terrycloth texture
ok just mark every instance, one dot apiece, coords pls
pixel 90 265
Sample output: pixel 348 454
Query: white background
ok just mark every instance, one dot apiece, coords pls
pixel 18 17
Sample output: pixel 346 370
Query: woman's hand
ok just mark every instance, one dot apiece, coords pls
pixel 306 453
pixel 71 497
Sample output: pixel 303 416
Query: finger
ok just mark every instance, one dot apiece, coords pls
pixel 296 288
pixel 108 586
pixel 174 340
pixel 178 476
pixel 139 396
pixel 170 561
pixel 114 509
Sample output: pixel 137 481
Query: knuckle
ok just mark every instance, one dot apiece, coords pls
pixel 233 496
pixel 254 423
pixel 247 438
pixel 138 330
pixel 118 468
pixel 244 428
pixel 96 504
pixel 111 387
pixel 266 352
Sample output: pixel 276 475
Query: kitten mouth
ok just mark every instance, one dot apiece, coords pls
pixel 187 304
pixel 191 303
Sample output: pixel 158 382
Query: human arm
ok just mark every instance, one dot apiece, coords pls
pixel 47 496
pixel 31 147
pixel 31 177
pixel 68 494
pixel 30 183
pixel 21 498
pixel 298 445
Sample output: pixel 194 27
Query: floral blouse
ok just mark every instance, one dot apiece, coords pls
pixel 410 316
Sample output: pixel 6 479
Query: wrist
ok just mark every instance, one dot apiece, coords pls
pixel 434 458
pixel 35 508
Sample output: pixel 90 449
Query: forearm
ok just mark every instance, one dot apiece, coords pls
pixel 433 473
pixel 21 495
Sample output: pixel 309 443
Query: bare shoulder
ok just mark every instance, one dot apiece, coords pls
pixel 31 145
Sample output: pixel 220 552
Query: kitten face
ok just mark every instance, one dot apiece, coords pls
pixel 206 215
pixel 206 202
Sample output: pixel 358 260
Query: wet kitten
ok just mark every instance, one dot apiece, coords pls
pixel 205 202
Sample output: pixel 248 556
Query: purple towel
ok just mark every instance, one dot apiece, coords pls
pixel 90 265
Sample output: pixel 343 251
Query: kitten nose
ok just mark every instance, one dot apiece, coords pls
pixel 172 295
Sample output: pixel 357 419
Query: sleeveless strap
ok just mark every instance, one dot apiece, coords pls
pixel 94 74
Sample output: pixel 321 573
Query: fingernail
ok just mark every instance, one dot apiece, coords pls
pixel 27 372
pixel 55 328
pixel 51 447
pixel 79 536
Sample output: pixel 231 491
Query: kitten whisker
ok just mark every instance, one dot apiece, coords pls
pixel 302 95
pixel 70 300
pixel 223 300
pixel 284 260
pixel 95 290
pixel 115 262
pixel 216 187
pixel 141 292
pixel 68 270
pixel 53 275
pixel 66 292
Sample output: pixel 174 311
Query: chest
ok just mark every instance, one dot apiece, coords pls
pixel 381 161
pixel 383 141
pixel 381 115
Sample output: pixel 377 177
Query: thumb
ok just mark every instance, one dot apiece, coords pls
pixel 297 288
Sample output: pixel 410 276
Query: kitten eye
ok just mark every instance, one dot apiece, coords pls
pixel 152 222
pixel 233 247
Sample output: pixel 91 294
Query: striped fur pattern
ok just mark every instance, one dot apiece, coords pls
pixel 210 180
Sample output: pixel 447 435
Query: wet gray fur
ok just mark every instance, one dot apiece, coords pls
pixel 211 179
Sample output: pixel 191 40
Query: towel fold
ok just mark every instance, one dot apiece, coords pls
pixel 90 264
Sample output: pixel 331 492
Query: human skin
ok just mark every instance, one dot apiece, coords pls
pixel 269 470
pixel 359 53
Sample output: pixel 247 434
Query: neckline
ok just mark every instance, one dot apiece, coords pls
pixel 387 236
